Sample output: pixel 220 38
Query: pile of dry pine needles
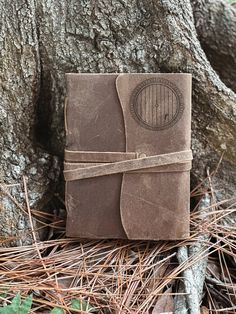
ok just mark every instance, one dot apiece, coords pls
pixel 124 276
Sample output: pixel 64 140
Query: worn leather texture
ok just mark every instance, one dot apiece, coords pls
pixel 114 118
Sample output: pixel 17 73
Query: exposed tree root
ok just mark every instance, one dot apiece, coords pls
pixel 215 23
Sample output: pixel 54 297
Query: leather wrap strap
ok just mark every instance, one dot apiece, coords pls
pixel 85 156
pixel 129 164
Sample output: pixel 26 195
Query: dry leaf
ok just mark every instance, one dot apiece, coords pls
pixel 165 303
pixel 204 310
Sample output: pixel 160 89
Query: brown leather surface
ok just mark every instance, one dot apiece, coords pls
pixel 94 123
pixel 146 204
pixel 160 201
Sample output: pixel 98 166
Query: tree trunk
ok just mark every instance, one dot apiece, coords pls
pixel 215 23
pixel 41 40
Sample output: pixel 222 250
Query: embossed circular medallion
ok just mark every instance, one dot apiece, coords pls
pixel 157 104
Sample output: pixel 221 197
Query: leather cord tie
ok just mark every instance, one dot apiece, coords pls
pixel 108 163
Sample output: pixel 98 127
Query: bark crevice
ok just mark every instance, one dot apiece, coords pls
pixel 215 23
pixel 44 113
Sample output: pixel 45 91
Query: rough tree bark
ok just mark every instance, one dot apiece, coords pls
pixel 215 22
pixel 41 40
pixel 20 74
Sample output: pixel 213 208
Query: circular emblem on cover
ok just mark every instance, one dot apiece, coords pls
pixel 157 104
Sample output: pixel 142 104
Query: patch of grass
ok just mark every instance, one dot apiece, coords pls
pixel 17 306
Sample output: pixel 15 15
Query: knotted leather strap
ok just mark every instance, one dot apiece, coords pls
pixel 127 165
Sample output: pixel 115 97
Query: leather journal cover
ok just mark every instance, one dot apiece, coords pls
pixel 128 158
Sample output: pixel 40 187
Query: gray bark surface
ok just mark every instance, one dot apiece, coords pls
pixel 42 40
pixel 194 276
pixel 215 23
pixel 19 89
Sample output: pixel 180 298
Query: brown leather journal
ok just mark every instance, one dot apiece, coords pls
pixel 128 158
